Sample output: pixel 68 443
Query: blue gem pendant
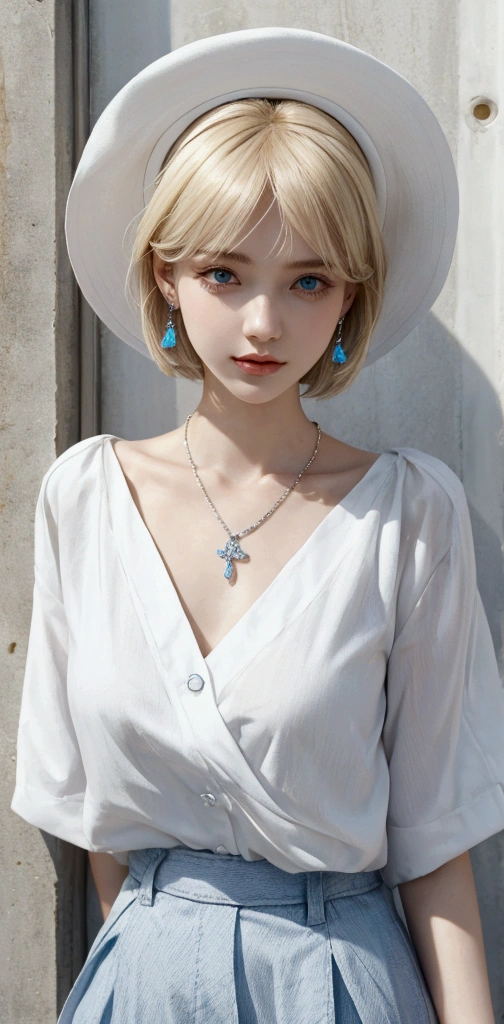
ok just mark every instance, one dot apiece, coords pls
pixel 231 551
pixel 170 338
pixel 338 353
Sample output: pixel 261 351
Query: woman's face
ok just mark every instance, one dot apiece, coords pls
pixel 258 320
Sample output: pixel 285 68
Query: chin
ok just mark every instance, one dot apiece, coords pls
pixel 253 390
pixel 256 394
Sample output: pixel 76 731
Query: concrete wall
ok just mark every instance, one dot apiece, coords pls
pixel 38 418
pixel 440 391
pixel 120 47
pixel 27 440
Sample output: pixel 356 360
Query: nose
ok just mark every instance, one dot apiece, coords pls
pixel 261 323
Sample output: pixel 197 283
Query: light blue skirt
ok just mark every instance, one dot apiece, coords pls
pixel 196 937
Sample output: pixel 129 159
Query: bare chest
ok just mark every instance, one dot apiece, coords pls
pixel 215 588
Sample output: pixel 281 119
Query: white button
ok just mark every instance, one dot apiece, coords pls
pixel 221 849
pixel 208 798
pixel 195 683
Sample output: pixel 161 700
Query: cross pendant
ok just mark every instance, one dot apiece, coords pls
pixel 232 550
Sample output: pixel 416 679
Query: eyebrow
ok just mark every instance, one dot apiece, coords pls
pixel 241 257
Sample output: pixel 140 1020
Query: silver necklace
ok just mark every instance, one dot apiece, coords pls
pixel 232 549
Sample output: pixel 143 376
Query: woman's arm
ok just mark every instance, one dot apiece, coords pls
pixel 442 912
pixel 108 877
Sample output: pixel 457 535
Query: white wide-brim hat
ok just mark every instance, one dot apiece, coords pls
pixel 405 147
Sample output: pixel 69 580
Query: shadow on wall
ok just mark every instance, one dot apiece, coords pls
pixel 428 393
pixel 137 399
pixel 70 866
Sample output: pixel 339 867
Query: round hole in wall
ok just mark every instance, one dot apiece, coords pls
pixel 483 109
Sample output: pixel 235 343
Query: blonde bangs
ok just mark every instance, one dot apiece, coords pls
pixel 212 181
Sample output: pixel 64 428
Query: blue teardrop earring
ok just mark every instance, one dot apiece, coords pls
pixel 338 354
pixel 170 338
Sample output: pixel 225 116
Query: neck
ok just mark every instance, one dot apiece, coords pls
pixel 242 440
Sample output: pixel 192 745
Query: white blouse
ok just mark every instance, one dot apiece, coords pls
pixel 351 720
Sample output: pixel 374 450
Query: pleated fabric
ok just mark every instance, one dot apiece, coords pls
pixel 208 938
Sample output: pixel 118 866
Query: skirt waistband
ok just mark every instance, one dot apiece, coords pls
pixel 207 877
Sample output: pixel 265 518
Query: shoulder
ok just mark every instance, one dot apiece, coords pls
pixel 432 503
pixel 435 534
pixel 429 475
pixel 75 470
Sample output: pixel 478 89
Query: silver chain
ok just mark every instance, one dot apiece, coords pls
pixel 273 508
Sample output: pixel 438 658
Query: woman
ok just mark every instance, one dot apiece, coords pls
pixel 259 672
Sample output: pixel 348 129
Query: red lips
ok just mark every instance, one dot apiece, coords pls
pixel 254 357
pixel 257 365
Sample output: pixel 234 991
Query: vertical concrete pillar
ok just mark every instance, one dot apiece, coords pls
pixel 38 418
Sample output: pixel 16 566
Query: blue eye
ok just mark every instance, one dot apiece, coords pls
pixel 308 284
pixel 222 276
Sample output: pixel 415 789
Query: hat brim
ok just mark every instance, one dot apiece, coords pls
pixel 408 154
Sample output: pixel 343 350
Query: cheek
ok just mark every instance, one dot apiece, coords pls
pixel 312 326
pixel 204 316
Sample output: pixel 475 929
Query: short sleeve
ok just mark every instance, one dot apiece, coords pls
pixel 50 779
pixel 444 727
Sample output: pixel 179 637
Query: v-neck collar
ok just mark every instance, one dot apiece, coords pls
pixel 164 617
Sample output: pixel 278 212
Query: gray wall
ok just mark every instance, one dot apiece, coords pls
pixel 440 391
pixel 38 418
pixel 120 46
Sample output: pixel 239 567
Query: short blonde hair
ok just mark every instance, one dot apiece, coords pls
pixel 213 178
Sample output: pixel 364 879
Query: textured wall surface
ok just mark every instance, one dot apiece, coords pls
pixel 27 446
pixel 136 400
pixel 38 419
